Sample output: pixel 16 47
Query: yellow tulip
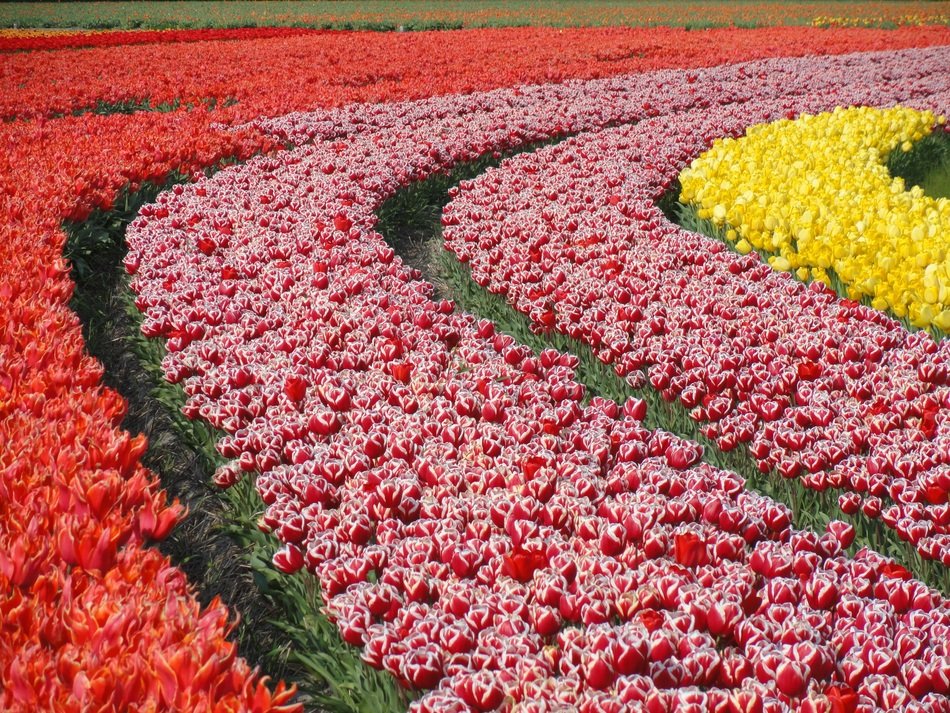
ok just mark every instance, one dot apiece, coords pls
pixel 814 194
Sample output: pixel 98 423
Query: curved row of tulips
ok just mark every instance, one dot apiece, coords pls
pixel 91 616
pixel 482 534
pixel 29 40
pixel 857 403
pixel 817 387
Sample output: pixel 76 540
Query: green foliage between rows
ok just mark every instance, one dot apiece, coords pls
pixel 927 164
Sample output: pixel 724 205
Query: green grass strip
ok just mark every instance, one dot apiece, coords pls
pixel 135 106
pixel 409 15
pixel 927 164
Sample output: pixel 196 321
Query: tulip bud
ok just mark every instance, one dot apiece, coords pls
pixel 288 559
pixel 791 678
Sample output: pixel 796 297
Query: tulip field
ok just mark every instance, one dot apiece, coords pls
pixel 512 369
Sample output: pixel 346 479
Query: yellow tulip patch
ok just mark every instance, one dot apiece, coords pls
pixel 815 194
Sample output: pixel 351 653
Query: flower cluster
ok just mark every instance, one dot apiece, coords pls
pixel 477 529
pixel 333 69
pixel 31 40
pixel 76 507
pixel 817 387
pixel 816 194
pixel 90 618
pixel 119 635
pixel 901 20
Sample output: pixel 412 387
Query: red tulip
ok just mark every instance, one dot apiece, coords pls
pixel 791 678
pixel 522 564
pixel 651 619
pixel 842 699
pixel 295 387
pixel 690 550
pixel 288 559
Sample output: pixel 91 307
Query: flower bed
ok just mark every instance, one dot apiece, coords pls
pixel 29 40
pixel 859 404
pixel 90 616
pixel 334 69
pixel 882 242
pixel 481 533
pixel 72 527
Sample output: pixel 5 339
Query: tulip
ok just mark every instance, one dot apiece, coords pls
pixel 480 691
pixel 690 550
pixel 791 678
pixel 288 559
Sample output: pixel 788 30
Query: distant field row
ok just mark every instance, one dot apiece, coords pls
pixel 436 14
